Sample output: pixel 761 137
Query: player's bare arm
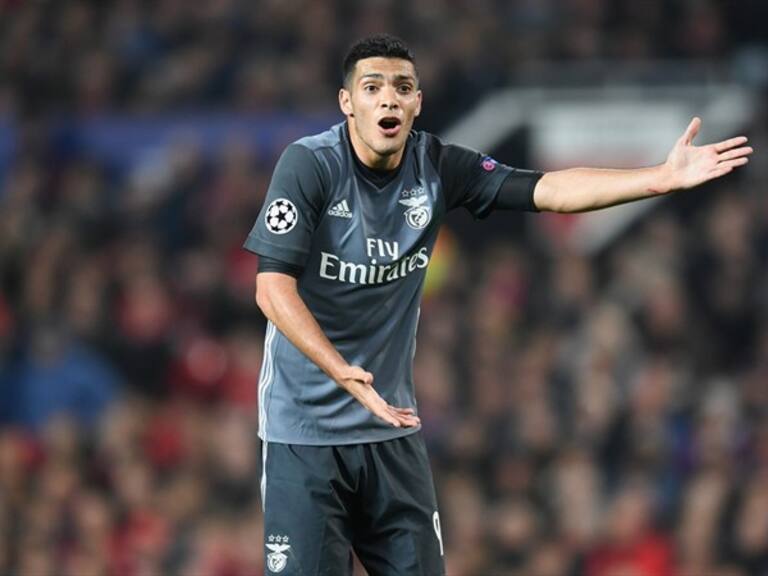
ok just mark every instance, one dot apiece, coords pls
pixel 687 166
pixel 278 298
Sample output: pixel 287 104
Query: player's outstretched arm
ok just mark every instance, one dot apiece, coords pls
pixel 278 298
pixel 584 189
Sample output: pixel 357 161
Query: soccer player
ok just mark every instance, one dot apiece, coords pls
pixel 344 239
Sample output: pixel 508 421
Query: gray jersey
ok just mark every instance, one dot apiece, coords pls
pixel 365 252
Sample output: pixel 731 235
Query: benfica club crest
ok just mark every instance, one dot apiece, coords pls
pixel 276 559
pixel 417 216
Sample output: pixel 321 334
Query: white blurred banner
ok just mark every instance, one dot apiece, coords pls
pixel 608 127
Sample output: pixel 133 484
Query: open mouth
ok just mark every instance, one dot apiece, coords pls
pixel 390 125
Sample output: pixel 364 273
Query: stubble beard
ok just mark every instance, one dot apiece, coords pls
pixel 381 146
pixel 385 148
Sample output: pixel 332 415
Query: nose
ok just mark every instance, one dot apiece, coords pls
pixel 389 99
pixel 390 105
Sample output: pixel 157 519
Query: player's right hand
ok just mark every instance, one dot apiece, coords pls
pixel 359 383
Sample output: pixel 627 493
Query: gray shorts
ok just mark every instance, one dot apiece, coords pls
pixel 322 502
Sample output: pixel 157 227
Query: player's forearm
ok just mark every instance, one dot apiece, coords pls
pixel 278 298
pixel 584 189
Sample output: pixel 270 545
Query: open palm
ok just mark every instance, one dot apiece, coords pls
pixel 691 165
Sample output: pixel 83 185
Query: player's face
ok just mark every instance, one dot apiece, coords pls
pixel 380 103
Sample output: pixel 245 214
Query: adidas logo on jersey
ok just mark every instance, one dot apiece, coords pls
pixel 341 210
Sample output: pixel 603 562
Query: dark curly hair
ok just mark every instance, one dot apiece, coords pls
pixel 384 45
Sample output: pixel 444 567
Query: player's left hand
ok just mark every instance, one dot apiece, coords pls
pixel 688 165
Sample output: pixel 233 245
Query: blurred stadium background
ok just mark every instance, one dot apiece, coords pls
pixel 594 389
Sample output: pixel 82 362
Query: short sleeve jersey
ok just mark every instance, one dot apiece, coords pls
pixel 364 252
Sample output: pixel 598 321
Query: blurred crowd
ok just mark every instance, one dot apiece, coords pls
pixel 93 57
pixel 607 416
pixel 589 416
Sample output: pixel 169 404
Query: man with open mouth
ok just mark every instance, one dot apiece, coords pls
pixel 344 238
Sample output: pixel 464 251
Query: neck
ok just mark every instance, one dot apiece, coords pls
pixel 370 157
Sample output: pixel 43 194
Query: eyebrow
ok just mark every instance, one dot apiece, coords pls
pixel 380 76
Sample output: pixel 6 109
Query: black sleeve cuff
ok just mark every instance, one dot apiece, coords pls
pixel 282 253
pixel 267 264
pixel 516 192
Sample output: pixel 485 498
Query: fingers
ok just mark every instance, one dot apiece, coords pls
pixel 726 167
pixel 733 163
pixel 390 419
pixel 716 173
pixel 397 417
pixel 359 384
pixel 406 417
pixel 404 410
pixel 379 407
pixel 736 153
pixel 730 143
pixel 692 130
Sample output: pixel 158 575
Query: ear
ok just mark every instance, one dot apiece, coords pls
pixel 345 102
pixel 418 106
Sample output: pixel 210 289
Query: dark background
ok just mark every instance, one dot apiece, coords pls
pixel 598 415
